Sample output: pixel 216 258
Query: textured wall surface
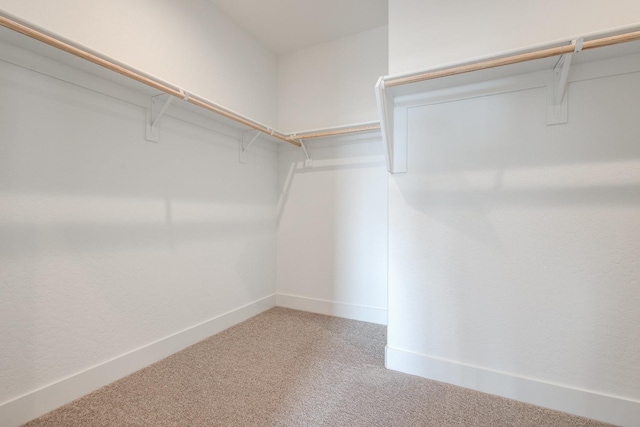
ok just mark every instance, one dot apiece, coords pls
pixel 513 246
pixel 332 241
pixel 332 83
pixel 109 242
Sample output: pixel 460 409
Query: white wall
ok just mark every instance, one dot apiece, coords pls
pixel 512 244
pixel 115 252
pixel 425 34
pixel 186 42
pixel 331 84
pixel 513 247
pixel 109 242
pixel 332 240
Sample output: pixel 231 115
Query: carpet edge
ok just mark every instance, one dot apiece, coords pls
pixel 38 402
pixel 584 403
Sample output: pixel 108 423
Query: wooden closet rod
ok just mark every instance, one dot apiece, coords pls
pixel 139 77
pixel 364 127
pixel 509 60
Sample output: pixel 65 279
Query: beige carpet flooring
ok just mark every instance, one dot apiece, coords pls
pixel 291 368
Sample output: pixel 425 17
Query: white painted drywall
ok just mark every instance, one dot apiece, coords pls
pixel 109 242
pixel 332 240
pixel 186 42
pixel 513 245
pixel 331 84
pixel 286 26
pixel 425 34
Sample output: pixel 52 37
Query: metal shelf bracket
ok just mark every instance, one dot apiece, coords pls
pixel 557 94
pixel 159 105
pixel 308 162
pixel 244 146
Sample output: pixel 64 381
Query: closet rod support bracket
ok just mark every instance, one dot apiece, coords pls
pixel 393 125
pixel 308 161
pixel 558 105
pixel 159 105
pixel 244 146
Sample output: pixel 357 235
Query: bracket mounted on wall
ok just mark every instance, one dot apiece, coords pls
pixel 159 105
pixel 156 112
pixel 244 146
pixel 393 136
pixel 557 102
pixel 308 162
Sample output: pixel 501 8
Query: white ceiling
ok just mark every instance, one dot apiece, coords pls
pixel 284 26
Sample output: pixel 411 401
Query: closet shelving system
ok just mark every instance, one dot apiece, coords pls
pixel 402 90
pixel 170 92
pixel 556 56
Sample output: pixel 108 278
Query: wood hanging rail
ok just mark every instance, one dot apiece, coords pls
pixel 364 127
pixel 177 92
pixel 139 77
pixel 509 60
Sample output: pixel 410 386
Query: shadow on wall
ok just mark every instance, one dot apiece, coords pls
pixel 468 157
pixel 517 241
pixel 328 157
pixel 108 241
pixel 332 222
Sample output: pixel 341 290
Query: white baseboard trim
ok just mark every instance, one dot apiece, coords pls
pixel 332 308
pixel 38 402
pixel 610 409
